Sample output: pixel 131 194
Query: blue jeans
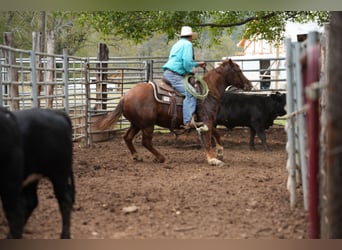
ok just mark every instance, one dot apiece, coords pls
pixel 189 103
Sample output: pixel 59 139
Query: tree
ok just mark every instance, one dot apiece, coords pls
pixel 73 29
pixel 68 33
pixel 138 26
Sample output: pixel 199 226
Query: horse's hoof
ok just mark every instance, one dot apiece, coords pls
pixel 159 160
pixel 219 152
pixel 137 158
pixel 216 162
pixel 220 157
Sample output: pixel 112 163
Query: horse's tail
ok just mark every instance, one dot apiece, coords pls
pixel 111 118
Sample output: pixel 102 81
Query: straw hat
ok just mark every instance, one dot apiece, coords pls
pixel 187 31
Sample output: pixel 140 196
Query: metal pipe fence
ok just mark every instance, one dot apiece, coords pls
pixel 306 129
pixel 83 87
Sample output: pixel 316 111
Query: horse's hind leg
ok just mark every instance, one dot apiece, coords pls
pixel 147 135
pixel 128 137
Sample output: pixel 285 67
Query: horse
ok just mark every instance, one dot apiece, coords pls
pixel 140 107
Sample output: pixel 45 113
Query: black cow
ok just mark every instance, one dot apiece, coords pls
pixel 47 142
pixel 47 146
pixel 11 173
pixel 254 111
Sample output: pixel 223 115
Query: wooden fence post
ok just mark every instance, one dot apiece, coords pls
pixel 13 90
pixel 323 139
pixel 334 125
pixel 36 46
pixel 102 76
pixel 50 65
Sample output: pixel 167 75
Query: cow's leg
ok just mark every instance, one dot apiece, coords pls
pixel 219 145
pixel 147 135
pixel 128 137
pixel 251 138
pixel 31 198
pixel 262 136
pixel 64 190
pixel 13 206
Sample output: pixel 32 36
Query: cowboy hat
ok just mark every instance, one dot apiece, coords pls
pixel 187 31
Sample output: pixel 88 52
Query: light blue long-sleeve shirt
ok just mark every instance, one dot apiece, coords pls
pixel 181 58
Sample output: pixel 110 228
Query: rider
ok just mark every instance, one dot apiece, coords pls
pixel 181 63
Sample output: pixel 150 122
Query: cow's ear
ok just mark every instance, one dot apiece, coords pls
pixel 274 96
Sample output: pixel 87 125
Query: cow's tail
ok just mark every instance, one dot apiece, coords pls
pixel 111 118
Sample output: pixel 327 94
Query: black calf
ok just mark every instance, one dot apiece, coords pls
pixel 254 111
pixel 47 143
pixel 11 173
pixel 35 143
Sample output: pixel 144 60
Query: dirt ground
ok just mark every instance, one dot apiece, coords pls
pixel 184 198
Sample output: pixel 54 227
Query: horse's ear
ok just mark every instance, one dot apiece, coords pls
pixel 230 60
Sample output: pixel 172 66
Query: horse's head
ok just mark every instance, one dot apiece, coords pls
pixel 234 75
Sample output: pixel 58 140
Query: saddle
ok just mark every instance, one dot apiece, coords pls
pixel 165 93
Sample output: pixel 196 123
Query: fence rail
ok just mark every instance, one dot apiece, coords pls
pixel 83 87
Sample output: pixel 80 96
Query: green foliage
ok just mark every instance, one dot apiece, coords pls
pixel 137 32
pixel 21 24
pixel 68 33
pixel 139 26
pixel 272 28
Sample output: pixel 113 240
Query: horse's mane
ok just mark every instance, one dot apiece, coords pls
pixel 213 80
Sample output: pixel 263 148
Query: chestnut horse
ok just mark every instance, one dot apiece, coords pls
pixel 139 106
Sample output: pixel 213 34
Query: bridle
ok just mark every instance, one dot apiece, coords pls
pixel 231 69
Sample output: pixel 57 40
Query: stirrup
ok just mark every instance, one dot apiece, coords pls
pixel 191 125
pixel 196 124
pixel 199 126
pixel 203 128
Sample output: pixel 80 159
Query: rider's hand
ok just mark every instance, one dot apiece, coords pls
pixel 202 64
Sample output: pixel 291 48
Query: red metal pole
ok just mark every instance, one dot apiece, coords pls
pixel 312 76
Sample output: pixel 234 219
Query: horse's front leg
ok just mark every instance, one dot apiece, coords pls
pixel 219 145
pixel 147 135
pixel 212 160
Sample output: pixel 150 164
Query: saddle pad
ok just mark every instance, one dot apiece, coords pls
pixel 163 92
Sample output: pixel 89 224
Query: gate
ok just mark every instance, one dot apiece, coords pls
pixel 83 87
pixel 306 126
pixel 31 79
